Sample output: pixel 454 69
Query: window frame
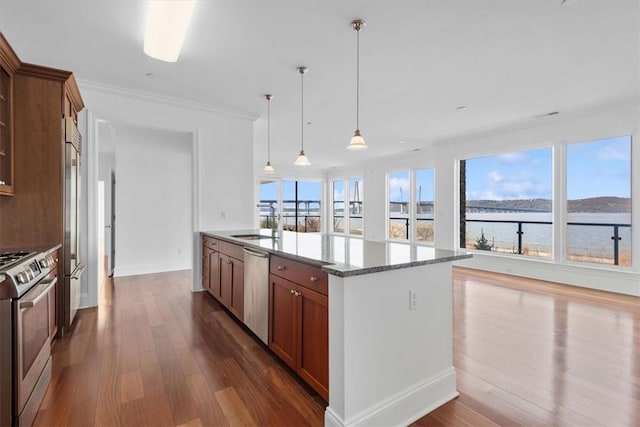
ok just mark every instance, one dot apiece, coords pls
pixel 411 206
pixel 346 185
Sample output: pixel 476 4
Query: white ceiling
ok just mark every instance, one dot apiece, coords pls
pixel 507 60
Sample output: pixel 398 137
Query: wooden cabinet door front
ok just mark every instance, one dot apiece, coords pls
pixel 236 305
pixel 206 253
pixel 282 323
pixel 214 273
pixel 313 339
pixel 226 279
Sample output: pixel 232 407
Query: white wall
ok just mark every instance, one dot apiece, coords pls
pixel 222 157
pixel 153 200
pixel 611 120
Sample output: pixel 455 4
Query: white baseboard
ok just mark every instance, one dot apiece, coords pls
pixel 133 270
pixel 403 408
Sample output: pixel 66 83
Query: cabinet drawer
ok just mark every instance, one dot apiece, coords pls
pixel 210 242
pixel 305 275
pixel 232 250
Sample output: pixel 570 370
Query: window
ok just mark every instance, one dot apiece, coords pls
pixel 301 206
pixel 399 205
pixel 599 201
pixel 351 220
pixel 424 205
pixel 410 209
pixel 300 209
pixel 505 204
pixel 268 205
pixel 338 207
pixel 355 206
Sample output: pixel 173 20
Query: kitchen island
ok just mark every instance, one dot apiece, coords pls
pixel 390 322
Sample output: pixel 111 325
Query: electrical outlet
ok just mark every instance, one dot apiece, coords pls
pixel 413 300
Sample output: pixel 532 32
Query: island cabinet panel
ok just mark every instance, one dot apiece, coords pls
pixel 224 271
pixel 299 320
pixel 313 340
pixel 283 328
pixel 232 284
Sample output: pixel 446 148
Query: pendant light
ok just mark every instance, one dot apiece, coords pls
pixel 357 141
pixel 268 169
pixel 302 159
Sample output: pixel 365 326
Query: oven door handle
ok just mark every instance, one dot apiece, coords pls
pixel 40 292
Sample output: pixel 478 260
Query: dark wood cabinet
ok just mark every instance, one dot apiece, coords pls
pixel 299 320
pixel 232 284
pixel 35 215
pixel 214 273
pixel 9 63
pixel 283 319
pixel 223 273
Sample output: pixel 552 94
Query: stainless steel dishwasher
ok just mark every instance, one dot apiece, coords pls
pixel 256 292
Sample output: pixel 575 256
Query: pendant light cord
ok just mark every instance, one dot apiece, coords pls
pixel 358 79
pixel 268 130
pixel 302 109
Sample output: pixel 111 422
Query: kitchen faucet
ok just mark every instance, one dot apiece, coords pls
pixel 274 223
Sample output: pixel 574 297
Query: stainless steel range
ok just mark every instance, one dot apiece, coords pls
pixel 27 317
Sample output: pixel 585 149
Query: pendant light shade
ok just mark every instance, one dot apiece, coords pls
pixel 302 159
pixel 268 169
pixel 357 141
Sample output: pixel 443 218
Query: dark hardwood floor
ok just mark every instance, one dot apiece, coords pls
pixel 527 353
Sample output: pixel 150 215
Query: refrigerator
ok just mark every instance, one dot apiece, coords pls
pixel 72 258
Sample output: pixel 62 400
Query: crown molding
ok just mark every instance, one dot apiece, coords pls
pixel 163 99
pixel 8 56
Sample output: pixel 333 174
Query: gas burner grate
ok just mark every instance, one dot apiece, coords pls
pixel 8 258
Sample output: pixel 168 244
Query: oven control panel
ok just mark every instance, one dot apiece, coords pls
pixel 29 273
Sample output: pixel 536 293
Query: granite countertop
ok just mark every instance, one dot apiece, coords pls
pixel 342 256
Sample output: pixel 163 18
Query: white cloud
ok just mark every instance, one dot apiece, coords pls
pixel 522 185
pixel 614 151
pixel 513 158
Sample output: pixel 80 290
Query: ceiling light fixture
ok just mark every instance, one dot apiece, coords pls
pixel 167 22
pixel 302 159
pixel 357 141
pixel 268 169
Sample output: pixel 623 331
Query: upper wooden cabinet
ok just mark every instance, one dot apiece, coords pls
pixel 9 63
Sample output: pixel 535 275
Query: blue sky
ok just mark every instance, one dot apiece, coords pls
pixel 595 168
pixel 520 175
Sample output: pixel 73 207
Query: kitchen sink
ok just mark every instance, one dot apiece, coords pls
pixel 251 236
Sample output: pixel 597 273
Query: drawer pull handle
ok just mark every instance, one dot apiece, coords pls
pixel 292 292
pixel 281 268
pixel 314 279
pixel 297 294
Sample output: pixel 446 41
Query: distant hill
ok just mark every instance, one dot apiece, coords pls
pixel 591 205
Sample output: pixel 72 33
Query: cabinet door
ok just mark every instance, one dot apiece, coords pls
pixel 205 267
pixel 6 133
pixel 226 279
pixel 313 339
pixel 214 273
pixel 283 329
pixel 236 301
